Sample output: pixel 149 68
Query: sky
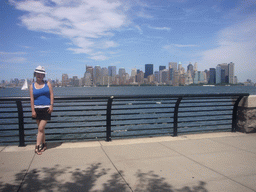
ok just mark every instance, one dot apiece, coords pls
pixel 66 35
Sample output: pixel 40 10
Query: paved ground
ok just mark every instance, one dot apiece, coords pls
pixel 190 163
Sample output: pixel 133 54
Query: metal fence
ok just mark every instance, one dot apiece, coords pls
pixel 106 118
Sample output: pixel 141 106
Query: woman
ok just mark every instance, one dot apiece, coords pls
pixel 41 97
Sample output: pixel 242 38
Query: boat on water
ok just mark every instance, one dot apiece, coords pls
pixel 25 85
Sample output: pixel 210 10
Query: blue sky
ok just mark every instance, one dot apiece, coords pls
pixel 64 36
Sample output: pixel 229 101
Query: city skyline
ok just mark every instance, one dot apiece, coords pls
pixel 64 36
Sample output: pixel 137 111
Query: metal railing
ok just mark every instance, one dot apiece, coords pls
pixel 90 118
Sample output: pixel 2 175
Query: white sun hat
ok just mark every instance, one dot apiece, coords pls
pixel 40 69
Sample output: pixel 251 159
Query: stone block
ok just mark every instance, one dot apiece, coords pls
pixel 246 115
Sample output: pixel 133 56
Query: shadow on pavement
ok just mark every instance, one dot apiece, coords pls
pixel 68 179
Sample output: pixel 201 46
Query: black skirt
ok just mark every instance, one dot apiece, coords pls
pixel 42 114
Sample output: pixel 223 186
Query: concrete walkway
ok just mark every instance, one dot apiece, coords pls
pixel 188 163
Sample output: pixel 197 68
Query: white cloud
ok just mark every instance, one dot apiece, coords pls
pixel 12 53
pixel 235 44
pixel 160 28
pixel 86 23
pixel 99 57
pixel 15 60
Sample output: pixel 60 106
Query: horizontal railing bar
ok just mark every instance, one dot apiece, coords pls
pixel 139 113
pixel 115 109
pixel 3 130
pixel 67 139
pixel 10 107
pixel 205 110
pixel 80 105
pixel 197 106
pixel 203 131
pixel 204 120
pixel 11 142
pixel 125 124
pixel 73 127
pixel 9 135
pixel 142 118
pixel 138 135
pixel 146 129
pixel 71 115
pixel 8 111
pixel 76 121
pixel 8 117
pixel 207 115
pixel 204 125
pixel 69 133
pixel 9 123
pixel 203 101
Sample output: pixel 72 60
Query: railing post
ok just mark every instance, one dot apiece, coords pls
pixel 176 110
pixel 109 106
pixel 21 124
pixel 234 116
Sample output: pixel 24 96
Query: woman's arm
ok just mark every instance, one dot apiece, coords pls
pixel 51 97
pixel 32 101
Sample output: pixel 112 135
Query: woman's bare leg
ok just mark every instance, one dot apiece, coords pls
pixel 41 134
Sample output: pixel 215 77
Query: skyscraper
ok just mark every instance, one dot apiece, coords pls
pixel 172 69
pixel 231 71
pixel 121 71
pixel 112 71
pixel 97 76
pixel 212 79
pixel 161 67
pixel 195 66
pixel 133 72
pixel 65 80
pixel 224 72
pixel 149 68
pixel 218 74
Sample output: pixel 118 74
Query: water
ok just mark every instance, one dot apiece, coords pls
pixel 129 90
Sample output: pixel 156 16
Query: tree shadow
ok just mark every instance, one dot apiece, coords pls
pixel 69 179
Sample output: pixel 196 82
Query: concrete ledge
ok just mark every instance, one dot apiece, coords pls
pixel 247 115
pixel 248 102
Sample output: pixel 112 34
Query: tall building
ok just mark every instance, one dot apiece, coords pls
pixel 157 76
pixel 65 80
pixel 104 71
pixel 176 79
pixel 121 71
pixel 190 68
pixel 172 69
pixel 161 67
pixel 149 68
pixel 97 75
pixel 218 74
pixel 164 76
pixel 201 77
pixel 231 73
pixel 133 72
pixel 140 77
pixel 195 66
pixel 212 79
pixel 75 81
pixel 188 78
pixel 89 69
pixel 87 79
pixel 224 72
pixel 112 71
